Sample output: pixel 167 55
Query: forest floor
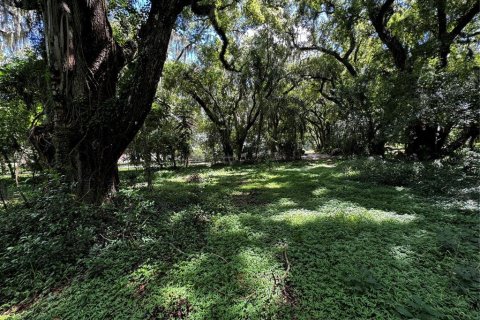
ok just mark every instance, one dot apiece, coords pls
pixel 307 240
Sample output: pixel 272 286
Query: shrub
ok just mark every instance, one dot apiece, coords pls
pixel 448 176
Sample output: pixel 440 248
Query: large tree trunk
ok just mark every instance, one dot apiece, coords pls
pixel 227 150
pixel 240 142
pixel 226 141
pixel 426 141
pixel 93 119
pixel 376 145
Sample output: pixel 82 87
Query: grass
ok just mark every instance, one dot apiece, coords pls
pixel 292 241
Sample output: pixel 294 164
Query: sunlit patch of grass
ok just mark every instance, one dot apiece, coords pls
pixel 297 216
pixel 179 179
pixel 349 213
pixel 283 203
pixel 274 185
pixel 320 192
pixel 403 254
pixel 323 165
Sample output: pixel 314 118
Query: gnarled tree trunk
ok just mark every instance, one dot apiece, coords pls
pixel 94 119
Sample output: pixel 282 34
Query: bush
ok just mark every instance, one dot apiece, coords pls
pixel 448 176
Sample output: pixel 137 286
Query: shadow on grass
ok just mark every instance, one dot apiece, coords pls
pixel 301 241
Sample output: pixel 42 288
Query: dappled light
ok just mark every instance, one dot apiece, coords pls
pixel 319 244
pixel 239 160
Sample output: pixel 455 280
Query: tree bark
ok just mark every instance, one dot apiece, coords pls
pixel 379 16
pixel 94 119
pixel 376 145
pixel 226 146
pixel 426 140
pixel 239 147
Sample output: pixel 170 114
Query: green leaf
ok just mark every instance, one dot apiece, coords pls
pixel 403 311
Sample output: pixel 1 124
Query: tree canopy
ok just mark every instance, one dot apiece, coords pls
pixel 247 80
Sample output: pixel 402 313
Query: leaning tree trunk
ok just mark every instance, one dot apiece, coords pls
pixel 93 119
pixel 470 132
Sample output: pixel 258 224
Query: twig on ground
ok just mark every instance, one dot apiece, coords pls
pixel 219 256
pixel 287 269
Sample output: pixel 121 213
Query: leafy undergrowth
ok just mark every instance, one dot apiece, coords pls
pixel 320 240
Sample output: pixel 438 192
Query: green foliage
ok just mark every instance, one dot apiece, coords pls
pixel 358 239
pixel 44 240
pixel 362 280
pixel 467 280
pixel 455 176
pixel 126 17
pixel 166 135
pixel 22 94
pixel 307 240
pixel 254 11
pixel 418 309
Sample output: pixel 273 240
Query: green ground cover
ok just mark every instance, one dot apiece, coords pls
pixel 317 240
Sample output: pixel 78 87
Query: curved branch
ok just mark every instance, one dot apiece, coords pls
pixel 464 20
pixel 379 18
pixel 343 60
pixel 446 38
pixel 211 12
pixel 225 42
pixel 351 37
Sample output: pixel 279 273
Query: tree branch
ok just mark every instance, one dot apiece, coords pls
pixel 446 38
pixel 351 36
pixel 379 18
pixel 343 60
pixel 464 20
pixel 211 12
pixel 225 42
